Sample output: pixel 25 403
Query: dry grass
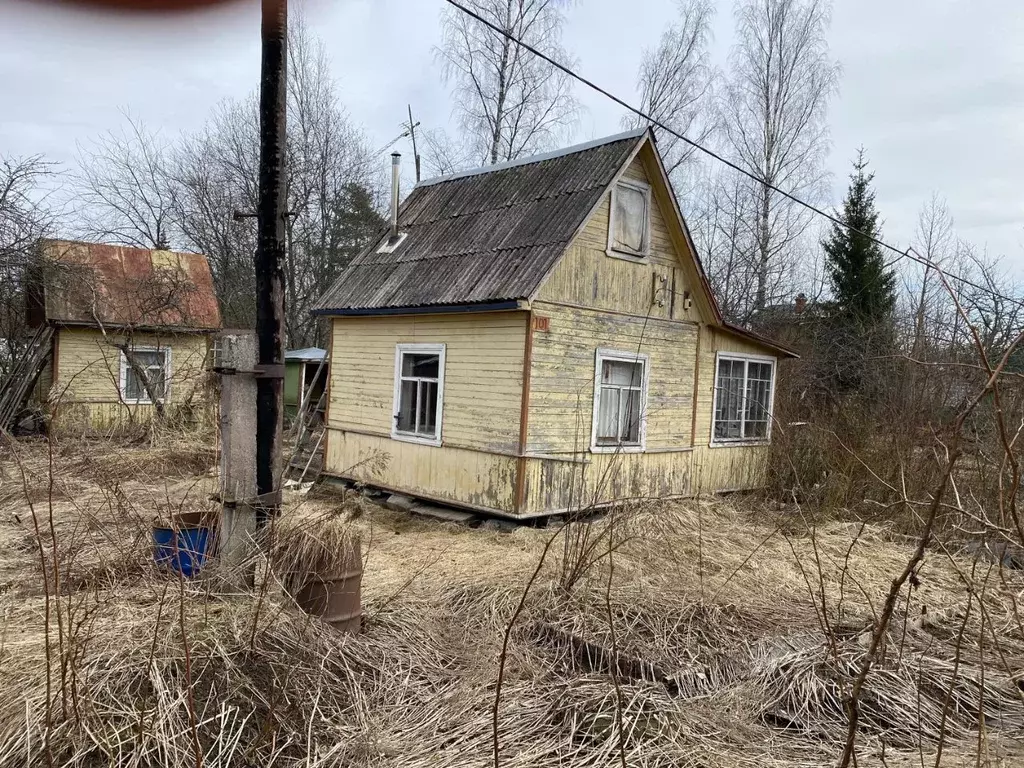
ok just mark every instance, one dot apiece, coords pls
pixel 718 656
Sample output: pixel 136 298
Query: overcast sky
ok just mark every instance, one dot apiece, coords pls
pixel 933 89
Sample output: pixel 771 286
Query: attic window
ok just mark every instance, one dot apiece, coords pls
pixel 629 227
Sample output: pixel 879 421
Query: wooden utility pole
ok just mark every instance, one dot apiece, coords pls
pixel 270 252
pixel 415 152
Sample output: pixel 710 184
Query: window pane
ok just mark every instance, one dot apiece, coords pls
pixel 608 416
pixel 133 389
pixel 622 374
pixel 151 363
pixel 758 399
pixel 425 366
pixel 407 407
pixel 146 359
pixel 630 218
pixel 729 389
pixel 630 430
pixel 428 408
pixel 157 379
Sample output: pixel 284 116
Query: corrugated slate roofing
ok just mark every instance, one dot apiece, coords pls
pixel 486 236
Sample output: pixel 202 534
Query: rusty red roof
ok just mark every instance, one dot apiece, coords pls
pixel 96 284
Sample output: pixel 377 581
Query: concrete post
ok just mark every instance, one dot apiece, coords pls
pixel 235 361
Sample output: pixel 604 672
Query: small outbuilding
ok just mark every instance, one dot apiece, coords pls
pixel 123 333
pixel 305 379
pixel 539 336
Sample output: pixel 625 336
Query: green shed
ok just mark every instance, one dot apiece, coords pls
pixel 305 378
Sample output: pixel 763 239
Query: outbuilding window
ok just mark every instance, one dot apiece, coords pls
pixel 620 401
pixel 744 387
pixel 629 230
pixel 419 392
pixel 154 364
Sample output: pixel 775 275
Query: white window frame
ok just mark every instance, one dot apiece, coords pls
pixel 144 398
pixel 600 356
pixel 625 253
pixel 410 437
pixel 733 442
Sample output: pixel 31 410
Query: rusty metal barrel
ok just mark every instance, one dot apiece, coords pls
pixel 335 595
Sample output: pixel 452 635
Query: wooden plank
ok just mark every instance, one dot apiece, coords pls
pixel 468 477
pixel 88 371
pixel 482 409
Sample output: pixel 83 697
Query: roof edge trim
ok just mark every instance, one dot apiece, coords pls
pixel 757 338
pixel 631 134
pixel 198 330
pixel 423 309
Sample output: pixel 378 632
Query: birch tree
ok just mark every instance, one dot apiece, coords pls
pixel 508 102
pixel 676 85
pixel 774 120
pixel 934 240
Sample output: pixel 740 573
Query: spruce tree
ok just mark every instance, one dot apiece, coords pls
pixel 863 288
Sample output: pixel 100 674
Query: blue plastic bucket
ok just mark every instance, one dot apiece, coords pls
pixel 182 549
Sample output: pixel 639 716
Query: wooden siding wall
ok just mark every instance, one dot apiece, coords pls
pixel 445 473
pixel 475 464
pixel 587 277
pixel 86 394
pixel 592 301
pixel 562 377
pixel 723 468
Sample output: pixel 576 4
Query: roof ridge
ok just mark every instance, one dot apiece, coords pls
pixel 91 243
pixel 635 133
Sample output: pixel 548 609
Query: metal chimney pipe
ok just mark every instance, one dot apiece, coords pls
pixel 396 160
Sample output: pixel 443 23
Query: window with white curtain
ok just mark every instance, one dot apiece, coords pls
pixel 743 399
pixel 419 392
pixel 154 364
pixel 620 401
pixel 629 228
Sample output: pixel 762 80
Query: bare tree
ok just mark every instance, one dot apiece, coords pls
pixel 991 304
pixel 676 83
pixel 332 177
pixel 935 241
pixel 443 153
pixel 25 216
pixel 509 103
pixel 774 119
pixel 137 190
pixel 333 183
pixel 720 220
pixel 215 175
pixel 123 189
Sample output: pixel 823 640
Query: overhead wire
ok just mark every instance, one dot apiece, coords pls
pixel 908 253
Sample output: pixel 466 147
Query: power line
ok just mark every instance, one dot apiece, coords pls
pixel 908 253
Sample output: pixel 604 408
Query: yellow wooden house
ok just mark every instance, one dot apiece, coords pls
pixel 539 337
pixel 126 331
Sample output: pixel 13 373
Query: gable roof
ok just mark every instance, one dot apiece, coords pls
pixel 486 236
pixel 93 284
